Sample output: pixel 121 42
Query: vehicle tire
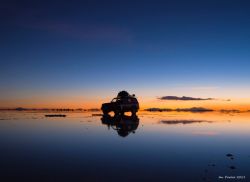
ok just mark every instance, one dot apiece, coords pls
pixel 116 112
pixel 133 111
pixel 122 113
pixel 105 112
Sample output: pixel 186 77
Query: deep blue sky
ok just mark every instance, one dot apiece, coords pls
pixel 100 47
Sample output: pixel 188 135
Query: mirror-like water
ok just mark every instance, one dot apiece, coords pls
pixel 167 146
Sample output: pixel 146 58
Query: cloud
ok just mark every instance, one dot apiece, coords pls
pixel 205 133
pixel 205 88
pixel 184 98
pixel 86 32
pixel 42 18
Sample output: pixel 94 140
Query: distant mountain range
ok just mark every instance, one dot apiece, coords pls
pixel 48 109
pixel 193 109
pixel 153 109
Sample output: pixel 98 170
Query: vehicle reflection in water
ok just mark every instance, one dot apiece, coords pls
pixel 124 125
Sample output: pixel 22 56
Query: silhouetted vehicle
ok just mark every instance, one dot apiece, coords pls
pixel 122 103
pixel 124 125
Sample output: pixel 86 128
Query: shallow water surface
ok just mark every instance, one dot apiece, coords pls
pixel 151 146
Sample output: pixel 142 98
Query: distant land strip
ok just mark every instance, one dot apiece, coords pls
pixel 193 109
pixel 153 109
pixel 48 109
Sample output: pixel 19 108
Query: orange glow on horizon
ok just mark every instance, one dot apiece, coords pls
pixel 75 101
pixel 242 106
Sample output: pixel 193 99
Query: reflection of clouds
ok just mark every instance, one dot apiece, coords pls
pixel 170 122
pixel 205 133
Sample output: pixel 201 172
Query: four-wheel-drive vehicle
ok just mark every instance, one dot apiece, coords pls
pixel 122 103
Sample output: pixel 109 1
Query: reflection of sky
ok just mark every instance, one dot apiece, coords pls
pixel 82 53
pixel 86 149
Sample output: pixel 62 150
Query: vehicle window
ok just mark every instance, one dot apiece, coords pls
pixel 134 100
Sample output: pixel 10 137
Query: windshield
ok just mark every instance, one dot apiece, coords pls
pixel 114 100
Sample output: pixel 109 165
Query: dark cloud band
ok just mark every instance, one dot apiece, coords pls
pixel 184 98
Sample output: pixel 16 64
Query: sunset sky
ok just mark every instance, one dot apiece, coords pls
pixel 78 54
